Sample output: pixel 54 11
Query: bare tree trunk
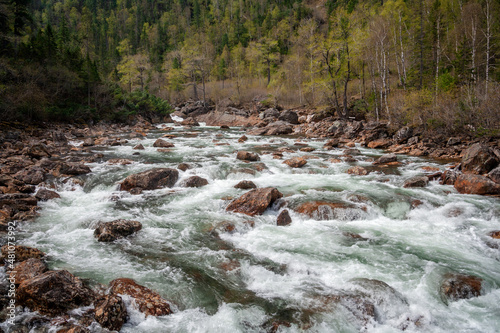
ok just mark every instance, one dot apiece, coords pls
pixel 403 64
pixel 346 109
pixel 438 53
pixel 421 42
pixel 488 50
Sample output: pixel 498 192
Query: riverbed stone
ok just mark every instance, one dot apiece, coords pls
pixel 295 162
pixel 494 234
pixel 417 181
pixel 357 170
pixel 46 195
pixel 111 231
pixel 194 181
pixel 160 143
pixel 284 218
pixel 386 158
pixel 247 156
pixel 22 253
pixel 54 293
pixel 33 175
pixel 494 175
pixel 476 184
pixel 28 269
pixel 255 202
pixel 245 185
pixel 324 210
pixel 139 147
pixel 151 179
pixel 148 302
pixel 460 286
pixel 242 139
pixel 110 312
pixel 479 159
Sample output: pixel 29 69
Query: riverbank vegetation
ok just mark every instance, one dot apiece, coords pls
pixel 416 62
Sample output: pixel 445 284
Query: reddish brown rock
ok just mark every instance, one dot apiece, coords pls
pixel 476 184
pixel 190 122
pixel 295 162
pixel 357 170
pixel 418 181
pixel 120 161
pixel 194 181
pixel 245 185
pixel 151 179
pixel 494 234
pixel 449 177
pixel 110 312
pixel 494 175
pixel 284 218
pixel 458 286
pixel 247 156
pixel 21 252
pixel 28 269
pixel 54 293
pixel 45 195
pixel 380 143
pixel 139 147
pixel 183 166
pixel 33 175
pixel 18 201
pixel 149 302
pixel 321 210
pixel 163 144
pixel 243 138
pixel 111 231
pixel 479 159
pixel 385 159
pixel 330 144
pixel 255 202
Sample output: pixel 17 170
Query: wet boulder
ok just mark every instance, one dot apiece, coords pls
pixel 148 302
pixel 284 218
pixel 18 201
pixel 28 269
pixel 54 292
pixel 194 181
pixel 352 151
pixel 245 185
pixel 279 128
pixel 357 170
pixel 190 122
pixel 110 312
pixel 139 147
pixel 295 162
pixel 494 234
pixel 242 139
pixel 37 151
pixel 449 177
pixel 255 202
pixel 33 175
pixel 323 210
pixel 151 179
pixel 479 159
pixel 74 169
pixel 380 143
pixel 160 143
pixel 183 166
pixel 386 158
pixel 111 231
pixel 494 175
pixel 476 184
pixel 417 181
pixel 459 286
pixel 330 144
pixel 247 156
pixel 46 195
pixel 22 253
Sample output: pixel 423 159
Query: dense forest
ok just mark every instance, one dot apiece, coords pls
pixel 417 62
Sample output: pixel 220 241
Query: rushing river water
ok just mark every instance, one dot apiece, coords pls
pixel 242 281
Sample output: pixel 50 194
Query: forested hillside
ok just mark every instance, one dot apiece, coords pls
pixel 417 62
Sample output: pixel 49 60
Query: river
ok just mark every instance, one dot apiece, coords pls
pixel 260 273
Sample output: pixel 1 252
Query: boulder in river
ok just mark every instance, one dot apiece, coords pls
pixel 323 210
pixel 194 181
pixel 110 312
pixel 160 143
pixel 111 231
pixel 284 218
pixel 45 195
pixel 245 185
pixel 417 181
pixel 459 286
pixel 74 169
pixel 242 139
pixel 54 293
pixel 149 302
pixel 255 202
pixel 387 158
pixel 22 253
pixel 28 269
pixel 357 170
pixel 33 175
pixel 476 184
pixel 139 147
pixel 190 122
pixel 151 179
pixel 295 162
pixel 379 143
pixel 247 156
pixel 479 159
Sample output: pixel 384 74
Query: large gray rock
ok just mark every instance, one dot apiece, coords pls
pixel 289 116
pixel 255 202
pixel 479 159
pixel 111 231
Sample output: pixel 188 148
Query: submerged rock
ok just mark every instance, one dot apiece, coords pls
pixel 245 185
pixel 149 302
pixel 479 159
pixel 476 184
pixel 323 210
pixel 110 312
pixel 54 293
pixel 111 231
pixel 194 181
pixel 247 156
pixel 151 179
pixel 418 181
pixel 459 286
pixel 284 218
pixel 295 162
pixel 255 202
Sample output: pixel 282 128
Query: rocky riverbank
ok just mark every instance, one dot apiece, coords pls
pixel 33 160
